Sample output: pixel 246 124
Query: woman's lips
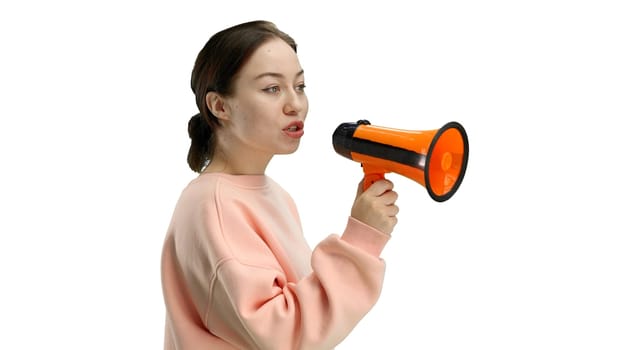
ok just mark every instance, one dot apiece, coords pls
pixel 294 129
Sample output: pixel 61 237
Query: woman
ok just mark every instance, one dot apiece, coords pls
pixel 237 272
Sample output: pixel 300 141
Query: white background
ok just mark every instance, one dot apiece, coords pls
pixel 94 101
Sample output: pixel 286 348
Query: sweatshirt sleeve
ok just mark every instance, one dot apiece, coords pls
pixel 256 307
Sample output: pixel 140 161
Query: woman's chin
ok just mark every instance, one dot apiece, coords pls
pixel 289 150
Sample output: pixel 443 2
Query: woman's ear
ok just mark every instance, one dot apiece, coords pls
pixel 216 104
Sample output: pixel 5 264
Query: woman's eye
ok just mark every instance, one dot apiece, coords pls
pixel 301 87
pixel 272 89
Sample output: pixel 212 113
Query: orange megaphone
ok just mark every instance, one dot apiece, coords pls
pixel 436 159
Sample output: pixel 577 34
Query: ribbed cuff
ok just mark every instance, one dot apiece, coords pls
pixel 364 236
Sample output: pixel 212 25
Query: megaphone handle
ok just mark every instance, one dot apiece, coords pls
pixel 372 174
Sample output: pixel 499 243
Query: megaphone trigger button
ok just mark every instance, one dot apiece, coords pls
pixel 363 122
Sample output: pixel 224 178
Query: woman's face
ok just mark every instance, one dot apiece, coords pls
pixel 268 107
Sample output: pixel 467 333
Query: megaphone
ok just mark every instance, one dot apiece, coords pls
pixel 436 159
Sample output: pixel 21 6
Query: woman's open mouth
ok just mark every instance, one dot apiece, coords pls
pixel 294 129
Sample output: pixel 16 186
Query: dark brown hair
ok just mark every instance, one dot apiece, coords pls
pixel 215 68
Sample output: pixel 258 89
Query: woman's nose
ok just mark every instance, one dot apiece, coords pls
pixel 294 103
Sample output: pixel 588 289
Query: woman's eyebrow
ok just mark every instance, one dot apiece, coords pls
pixel 277 75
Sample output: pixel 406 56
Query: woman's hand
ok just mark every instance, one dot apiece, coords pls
pixel 376 206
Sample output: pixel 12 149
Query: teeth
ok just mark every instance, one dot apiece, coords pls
pixel 292 128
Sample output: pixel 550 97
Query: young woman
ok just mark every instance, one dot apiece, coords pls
pixel 237 272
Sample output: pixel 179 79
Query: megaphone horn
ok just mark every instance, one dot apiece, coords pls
pixel 436 159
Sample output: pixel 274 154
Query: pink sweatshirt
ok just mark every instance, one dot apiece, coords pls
pixel 237 272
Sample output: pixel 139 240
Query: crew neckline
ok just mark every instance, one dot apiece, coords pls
pixel 259 180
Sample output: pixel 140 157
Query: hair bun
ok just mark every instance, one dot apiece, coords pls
pixel 197 127
pixel 200 134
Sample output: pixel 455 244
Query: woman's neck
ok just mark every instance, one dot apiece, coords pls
pixel 236 166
